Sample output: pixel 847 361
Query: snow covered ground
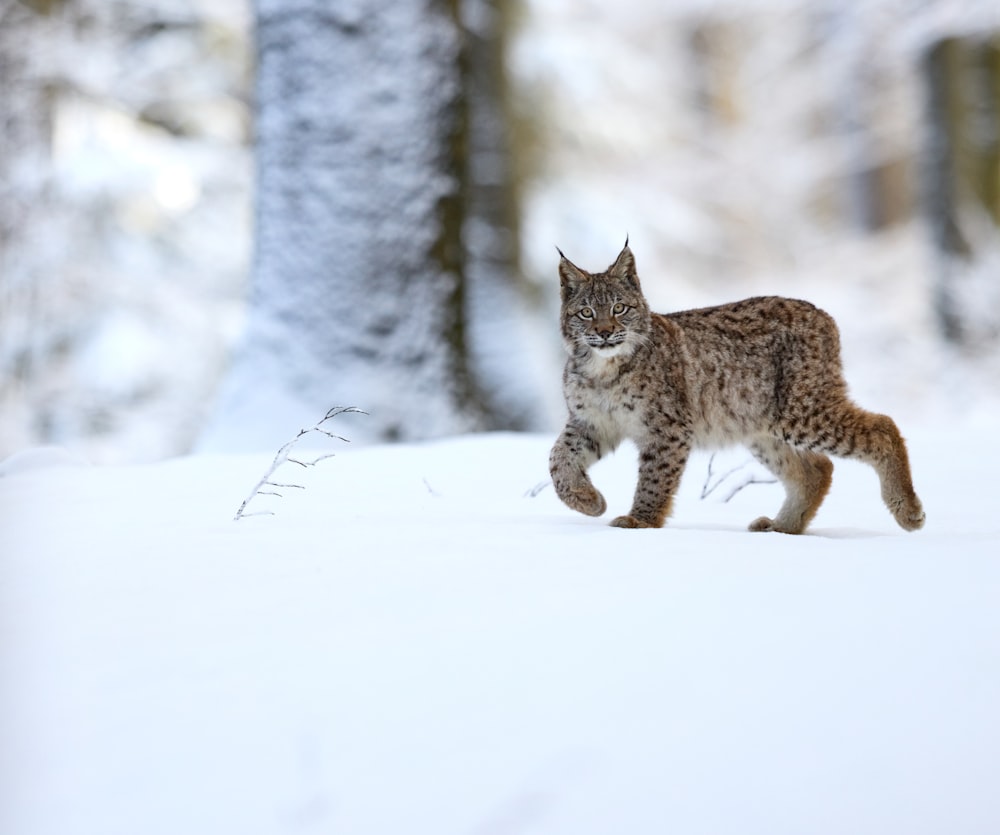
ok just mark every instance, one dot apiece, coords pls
pixel 416 644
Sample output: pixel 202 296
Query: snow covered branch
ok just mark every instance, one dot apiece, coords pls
pixel 267 487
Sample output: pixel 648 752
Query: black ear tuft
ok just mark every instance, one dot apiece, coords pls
pixel 570 275
pixel 624 266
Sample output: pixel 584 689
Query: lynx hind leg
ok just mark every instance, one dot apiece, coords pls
pixel 876 440
pixel 806 477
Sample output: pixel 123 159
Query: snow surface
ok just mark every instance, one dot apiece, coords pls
pixel 416 644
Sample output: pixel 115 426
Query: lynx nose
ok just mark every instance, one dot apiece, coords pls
pixel 605 333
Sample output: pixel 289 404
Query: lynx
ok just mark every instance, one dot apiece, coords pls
pixel 763 372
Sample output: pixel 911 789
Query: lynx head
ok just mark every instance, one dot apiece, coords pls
pixel 603 314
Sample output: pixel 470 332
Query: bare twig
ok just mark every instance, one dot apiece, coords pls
pixel 534 491
pixel 746 482
pixel 714 480
pixel 282 456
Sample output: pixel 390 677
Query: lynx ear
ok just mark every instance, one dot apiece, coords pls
pixel 624 266
pixel 570 275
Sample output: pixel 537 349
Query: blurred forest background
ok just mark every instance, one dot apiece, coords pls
pixel 218 218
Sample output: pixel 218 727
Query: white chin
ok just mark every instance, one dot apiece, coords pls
pixel 608 350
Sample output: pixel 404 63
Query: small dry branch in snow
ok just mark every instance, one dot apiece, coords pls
pixel 534 491
pixel 268 487
pixel 714 479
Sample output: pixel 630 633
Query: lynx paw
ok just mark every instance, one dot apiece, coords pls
pixel 767 524
pixel 586 500
pixel 910 516
pixel 630 522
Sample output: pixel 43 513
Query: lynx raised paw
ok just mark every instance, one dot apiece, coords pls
pixel 767 524
pixel 586 500
pixel 630 522
pixel 910 515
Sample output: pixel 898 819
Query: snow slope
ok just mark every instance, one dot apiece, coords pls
pixel 414 644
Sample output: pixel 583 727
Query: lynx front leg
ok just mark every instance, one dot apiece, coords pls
pixel 661 465
pixel 572 455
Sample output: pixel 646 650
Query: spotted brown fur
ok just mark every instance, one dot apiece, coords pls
pixel 764 372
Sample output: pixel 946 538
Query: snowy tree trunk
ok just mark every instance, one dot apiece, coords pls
pixel 961 177
pixel 25 130
pixel 502 331
pixel 873 180
pixel 359 277
pixel 939 184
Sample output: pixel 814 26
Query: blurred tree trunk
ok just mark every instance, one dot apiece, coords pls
pixel 360 277
pixel 25 133
pixel 962 171
pixel 874 181
pixel 496 295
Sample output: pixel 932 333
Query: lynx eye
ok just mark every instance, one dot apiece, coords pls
pixel 586 313
pixel 618 309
